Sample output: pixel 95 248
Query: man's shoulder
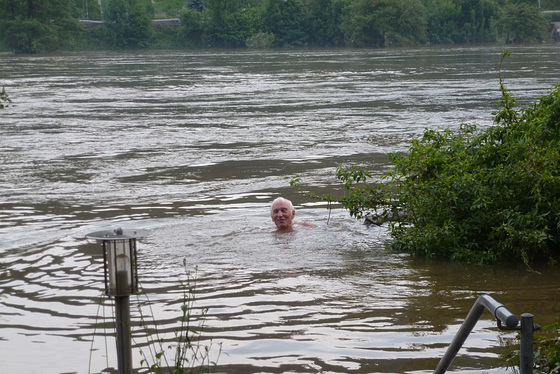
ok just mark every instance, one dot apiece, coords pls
pixel 307 224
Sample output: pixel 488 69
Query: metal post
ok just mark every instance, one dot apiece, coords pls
pixel 122 306
pixel 484 301
pixel 460 337
pixel 124 345
pixel 526 344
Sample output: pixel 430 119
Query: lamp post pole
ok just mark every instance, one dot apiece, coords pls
pixel 124 343
pixel 121 280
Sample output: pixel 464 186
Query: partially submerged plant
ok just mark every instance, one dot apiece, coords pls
pixel 4 99
pixel 470 194
pixel 190 354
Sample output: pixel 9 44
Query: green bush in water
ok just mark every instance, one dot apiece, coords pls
pixel 479 196
pixel 4 99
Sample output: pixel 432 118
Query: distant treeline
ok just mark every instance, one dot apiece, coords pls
pixel 32 26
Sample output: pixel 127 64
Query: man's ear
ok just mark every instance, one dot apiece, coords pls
pixel 293 213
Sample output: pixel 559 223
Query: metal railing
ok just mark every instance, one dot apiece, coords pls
pixel 506 321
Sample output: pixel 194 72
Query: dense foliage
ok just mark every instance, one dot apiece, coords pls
pixel 31 26
pixel 466 21
pixel 128 23
pixel 484 195
pixel 514 24
pixel 472 195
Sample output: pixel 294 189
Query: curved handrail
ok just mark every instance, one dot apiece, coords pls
pixel 504 316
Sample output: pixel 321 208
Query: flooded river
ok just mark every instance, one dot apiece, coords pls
pixel 194 146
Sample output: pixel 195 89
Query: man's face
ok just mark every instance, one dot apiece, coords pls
pixel 282 215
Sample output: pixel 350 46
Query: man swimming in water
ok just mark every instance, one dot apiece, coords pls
pixel 283 212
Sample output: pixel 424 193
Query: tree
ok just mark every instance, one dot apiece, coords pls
pixel 405 22
pixel 87 9
pixel 362 27
pixel 522 23
pixel 464 21
pixel 323 19
pixel 284 19
pixel 239 26
pixel 192 28
pixel 33 26
pixel 218 19
pixel 196 5
pixel 128 23
pixel 383 23
pixel 443 20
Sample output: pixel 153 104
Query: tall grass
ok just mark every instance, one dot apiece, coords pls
pixel 187 353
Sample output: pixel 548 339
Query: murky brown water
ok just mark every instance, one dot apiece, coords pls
pixel 193 146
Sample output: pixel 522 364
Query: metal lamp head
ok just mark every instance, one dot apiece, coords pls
pixel 119 260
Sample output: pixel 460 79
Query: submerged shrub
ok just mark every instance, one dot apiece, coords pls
pixel 484 196
pixel 4 99
pixel 472 195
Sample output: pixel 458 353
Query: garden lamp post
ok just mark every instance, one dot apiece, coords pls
pixel 121 280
